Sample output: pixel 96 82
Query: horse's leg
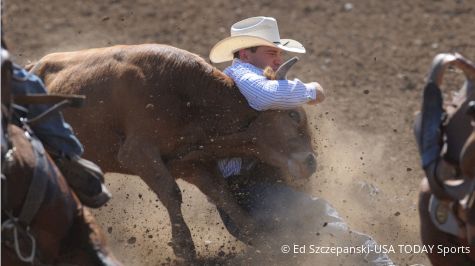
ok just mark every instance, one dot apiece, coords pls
pixel 143 159
pixel 87 243
pixel 9 257
pixel 431 235
pixel 215 188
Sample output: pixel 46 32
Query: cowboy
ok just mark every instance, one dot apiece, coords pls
pixel 255 44
pixel 85 177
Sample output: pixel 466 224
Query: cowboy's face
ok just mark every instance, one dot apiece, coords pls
pixel 264 56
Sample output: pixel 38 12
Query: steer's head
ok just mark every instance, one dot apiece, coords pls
pixel 282 139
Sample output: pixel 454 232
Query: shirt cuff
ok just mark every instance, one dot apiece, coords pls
pixel 311 90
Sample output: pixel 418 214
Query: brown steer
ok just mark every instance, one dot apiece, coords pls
pixel 163 113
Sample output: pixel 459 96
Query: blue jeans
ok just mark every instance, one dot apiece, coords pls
pixel 54 132
pixel 287 216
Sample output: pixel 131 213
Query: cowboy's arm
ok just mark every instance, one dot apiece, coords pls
pixel 264 94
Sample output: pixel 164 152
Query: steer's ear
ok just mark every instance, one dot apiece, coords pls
pixel 269 73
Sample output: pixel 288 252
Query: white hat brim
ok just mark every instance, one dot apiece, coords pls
pixel 223 51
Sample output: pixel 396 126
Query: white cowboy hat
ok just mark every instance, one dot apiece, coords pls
pixel 255 31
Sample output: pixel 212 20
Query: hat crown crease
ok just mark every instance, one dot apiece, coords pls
pixel 261 27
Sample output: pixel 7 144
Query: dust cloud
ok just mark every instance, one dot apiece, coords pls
pixel 355 175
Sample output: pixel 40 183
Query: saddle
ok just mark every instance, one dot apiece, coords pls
pixel 447 146
pixel 16 137
pixel 16 225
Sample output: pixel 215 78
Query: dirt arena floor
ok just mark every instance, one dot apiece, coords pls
pixel 371 56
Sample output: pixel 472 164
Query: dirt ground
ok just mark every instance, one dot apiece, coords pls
pixel 371 56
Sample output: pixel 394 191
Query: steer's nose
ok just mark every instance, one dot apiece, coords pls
pixel 311 163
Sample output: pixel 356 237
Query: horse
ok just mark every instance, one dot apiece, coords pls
pixel 447 147
pixel 43 221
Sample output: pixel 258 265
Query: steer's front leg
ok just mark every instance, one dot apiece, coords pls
pixel 142 158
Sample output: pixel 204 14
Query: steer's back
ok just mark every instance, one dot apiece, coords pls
pixel 129 86
pixel 142 65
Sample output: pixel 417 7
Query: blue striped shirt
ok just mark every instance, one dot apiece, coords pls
pixel 264 94
pixel 230 166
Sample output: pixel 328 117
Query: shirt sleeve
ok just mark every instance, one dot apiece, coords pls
pixel 230 166
pixel 54 132
pixel 264 94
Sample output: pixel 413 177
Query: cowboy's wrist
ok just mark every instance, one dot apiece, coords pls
pixel 320 92
pixel 312 93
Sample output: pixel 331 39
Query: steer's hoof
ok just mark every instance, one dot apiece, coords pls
pixel 248 234
pixel 184 251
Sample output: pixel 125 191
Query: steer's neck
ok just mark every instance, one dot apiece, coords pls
pixel 231 112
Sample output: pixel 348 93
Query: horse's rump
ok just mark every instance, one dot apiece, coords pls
pixel 42 219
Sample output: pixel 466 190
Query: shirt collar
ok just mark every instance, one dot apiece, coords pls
pixel 237 61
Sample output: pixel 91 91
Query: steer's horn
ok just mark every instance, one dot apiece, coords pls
pixel 281 73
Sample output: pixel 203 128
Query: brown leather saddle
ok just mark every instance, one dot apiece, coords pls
pixel 447 145
pixel 16 222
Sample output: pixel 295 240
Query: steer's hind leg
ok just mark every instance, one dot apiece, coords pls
pixel 143 159
pixel 215 188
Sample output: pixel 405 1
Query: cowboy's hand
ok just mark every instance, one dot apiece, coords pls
pixel 320 95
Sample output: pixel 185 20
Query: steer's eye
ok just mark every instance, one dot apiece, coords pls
pixel 295 116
